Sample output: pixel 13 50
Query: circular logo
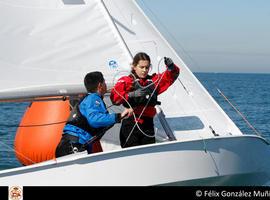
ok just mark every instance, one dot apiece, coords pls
pixel 113 64
pixel 198 193
pixel 15 193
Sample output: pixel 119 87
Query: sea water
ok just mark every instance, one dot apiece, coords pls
pixel 249 93
pixel 10 117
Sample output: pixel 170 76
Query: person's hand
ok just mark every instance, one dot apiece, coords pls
pixel 138 93
pixel 127 113
pixel 169 63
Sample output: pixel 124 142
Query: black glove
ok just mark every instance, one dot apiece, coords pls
pixel 169 63
pixel 138 93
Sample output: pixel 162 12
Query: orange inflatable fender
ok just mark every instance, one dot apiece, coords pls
pixel 40 131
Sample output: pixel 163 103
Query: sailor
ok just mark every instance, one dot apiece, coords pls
pixel 88 118
pixel 139 91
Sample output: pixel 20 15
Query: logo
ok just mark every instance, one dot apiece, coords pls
pixel 15 193
pixel 113 64
pixel 97 103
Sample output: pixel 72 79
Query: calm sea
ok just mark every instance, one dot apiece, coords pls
pixel 250 93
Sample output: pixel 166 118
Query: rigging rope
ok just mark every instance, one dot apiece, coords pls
pixel 238 111
pixel 17 152
pixel 31 125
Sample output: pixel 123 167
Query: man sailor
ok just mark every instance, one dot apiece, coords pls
pixel 88 118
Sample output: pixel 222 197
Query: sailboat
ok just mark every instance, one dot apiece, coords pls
pixel 47 47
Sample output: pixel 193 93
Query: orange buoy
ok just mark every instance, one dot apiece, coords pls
pixel 40 131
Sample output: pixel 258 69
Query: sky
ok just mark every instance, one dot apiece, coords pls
pixel 215 35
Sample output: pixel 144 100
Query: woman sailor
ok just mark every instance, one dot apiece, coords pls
pixel 139 91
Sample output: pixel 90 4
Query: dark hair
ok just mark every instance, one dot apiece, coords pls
pixel 91 81
pixel 140 56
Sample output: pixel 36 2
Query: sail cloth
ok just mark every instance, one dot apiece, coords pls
pixel 47 47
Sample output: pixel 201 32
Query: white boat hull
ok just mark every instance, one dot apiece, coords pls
pixel 234 160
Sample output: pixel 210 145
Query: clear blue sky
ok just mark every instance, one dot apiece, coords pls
pixel 216 35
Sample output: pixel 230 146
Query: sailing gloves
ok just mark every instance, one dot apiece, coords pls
pixel 138 93
pixel 169 63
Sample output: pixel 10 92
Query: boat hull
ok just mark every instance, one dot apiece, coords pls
pixel 233 160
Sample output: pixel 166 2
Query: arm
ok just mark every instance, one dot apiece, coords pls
pixel 168 77
pixel 97 115
pixel 94 110
pixel 97 119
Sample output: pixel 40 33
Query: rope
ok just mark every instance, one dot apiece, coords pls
pixel 136 122
pixel 238 111
pixel 31 125
pixel 17 152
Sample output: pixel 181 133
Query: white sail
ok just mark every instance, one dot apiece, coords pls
pixel 47 47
